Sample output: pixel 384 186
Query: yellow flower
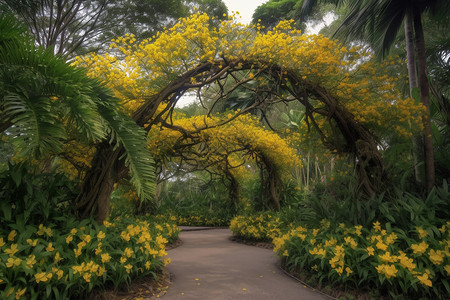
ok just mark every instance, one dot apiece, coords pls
pixel 43 229
pixel 77 269
pixel 100 271
pixel 285 253
pixel 407 262
pixel 391 238
pixel 348 270
pixel 422 233
pixel 59 273
pixel 167 261
pixel 87 277
pixel 351 242
pixel 77 252
pixel 20 293
pixel 381 246
pixel 12 250
pixel 125 236
pixel 106 257
pixel 358 230
pixel 73 231
pixel 57 258
pixel 32 243
pixel 447 269
pixel 377 226
pixel 128 252
pixel 50 247
pixel 388 270
pixel 42 277
pixel 425 280
pixel 147 265
pixel 101 235
pixel 12 235
pixel 2 242
pixel 123 260
pixel 370 251
pixel 386 257
pixel 419 248
pixel 86 238
pixel 31 260
pixel 69 238
pixel 436 257
pixel 107 224
pixel 128 268
pixel 13 262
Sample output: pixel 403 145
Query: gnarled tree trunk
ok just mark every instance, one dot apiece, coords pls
pixel 98 184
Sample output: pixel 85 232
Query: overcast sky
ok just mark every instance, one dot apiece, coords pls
pixel 244 7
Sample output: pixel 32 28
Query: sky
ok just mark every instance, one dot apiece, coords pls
pixel 244 7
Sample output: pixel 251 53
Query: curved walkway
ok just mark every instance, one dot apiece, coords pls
pixel 209 266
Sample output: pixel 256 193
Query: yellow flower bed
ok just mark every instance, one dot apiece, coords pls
pixel 54 262
pixel 390 260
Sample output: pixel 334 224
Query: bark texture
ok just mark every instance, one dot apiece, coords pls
pixel 425 99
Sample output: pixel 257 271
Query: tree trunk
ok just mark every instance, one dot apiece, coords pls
pixel 425 99
pixel 272 184
pixel 233 191
pixel 98 184
pixel 412 78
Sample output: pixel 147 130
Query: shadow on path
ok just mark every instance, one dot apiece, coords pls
pixel 209 266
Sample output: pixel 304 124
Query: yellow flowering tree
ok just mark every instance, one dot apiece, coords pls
pixel 346 99
pixel 225 149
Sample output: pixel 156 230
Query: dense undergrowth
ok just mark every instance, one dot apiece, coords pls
pixel 46 253
pixel 402 250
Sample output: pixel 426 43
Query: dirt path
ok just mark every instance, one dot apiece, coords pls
pixel 209 266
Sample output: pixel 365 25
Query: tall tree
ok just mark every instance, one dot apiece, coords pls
pixel 75 27
pixel 379 22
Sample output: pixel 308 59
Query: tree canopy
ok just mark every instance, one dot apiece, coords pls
pixel 348 101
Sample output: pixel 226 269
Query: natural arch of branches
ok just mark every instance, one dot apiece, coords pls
pixel 107 168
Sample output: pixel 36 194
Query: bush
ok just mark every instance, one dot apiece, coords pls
pixel 49 262
pixel 408 258
pixel 28 198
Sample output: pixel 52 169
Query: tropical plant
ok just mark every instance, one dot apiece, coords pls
pixel 379 22
pixel 44 101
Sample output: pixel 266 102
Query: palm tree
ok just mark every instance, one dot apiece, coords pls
pixel 380 21
pixel 42 99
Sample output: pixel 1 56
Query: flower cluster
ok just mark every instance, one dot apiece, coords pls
pixel 73 260
pixel 263 227
pixel 360 257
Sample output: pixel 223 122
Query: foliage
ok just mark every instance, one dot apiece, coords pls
pixel 195 202
pixel 345 72
pixel 28 198
pixel 408 257
pixel 81 26
pixel 389 260
pixel 44 101
pixel 69 260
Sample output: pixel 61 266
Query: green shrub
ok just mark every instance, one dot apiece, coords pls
pixel 49 262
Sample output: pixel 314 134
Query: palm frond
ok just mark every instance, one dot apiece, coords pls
pixel 30 73
pixel 138 159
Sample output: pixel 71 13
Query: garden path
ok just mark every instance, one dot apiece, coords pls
pixel 210 266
